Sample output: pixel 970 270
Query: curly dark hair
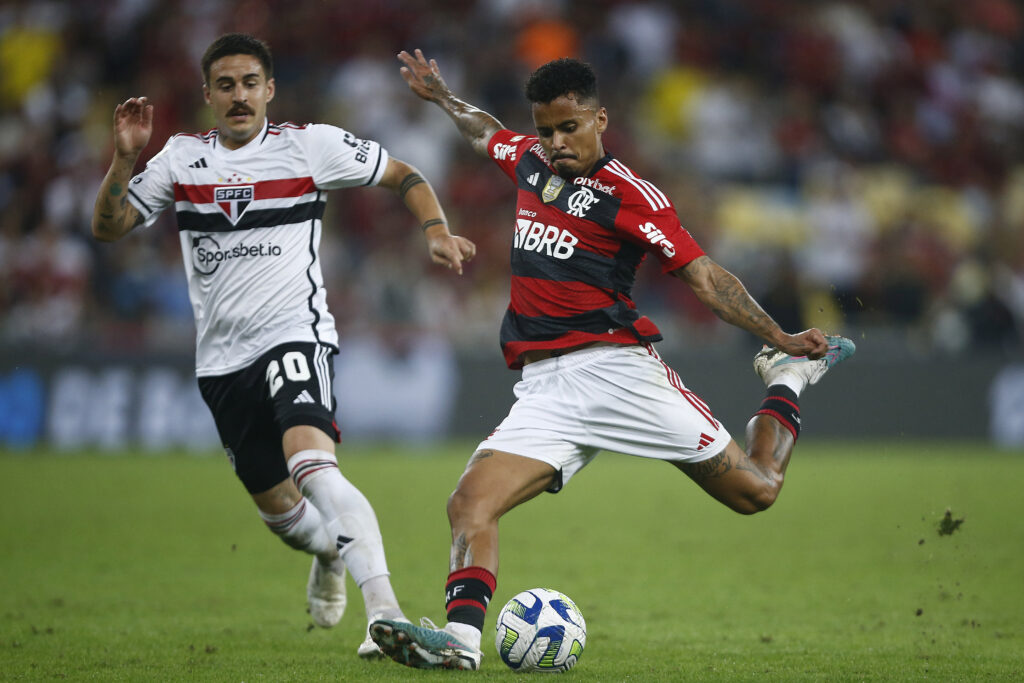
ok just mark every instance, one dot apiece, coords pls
pixel 561 77
pixel 238 44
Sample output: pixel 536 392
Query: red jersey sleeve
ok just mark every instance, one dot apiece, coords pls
pixel 507 147
pixel 660 232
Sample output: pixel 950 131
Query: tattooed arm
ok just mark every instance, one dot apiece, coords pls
pixel 725 295
pixel 424 79
pixel 113 216
pixel 413 189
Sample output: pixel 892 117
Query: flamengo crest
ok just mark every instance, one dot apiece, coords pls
pixel 580 202
pixel 233 200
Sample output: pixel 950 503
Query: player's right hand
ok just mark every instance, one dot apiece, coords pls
pixel 423 78
pixel 133 126
pixel 811 343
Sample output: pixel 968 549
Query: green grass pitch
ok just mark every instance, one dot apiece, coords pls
pixel 157 568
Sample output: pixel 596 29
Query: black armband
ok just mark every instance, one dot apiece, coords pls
pixel 408 182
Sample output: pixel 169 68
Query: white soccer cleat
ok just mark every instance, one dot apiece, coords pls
pixel 326 594
pixel 771 364
pixel 424 646
pixel 368 649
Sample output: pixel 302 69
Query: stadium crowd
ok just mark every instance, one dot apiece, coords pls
pixel 860 165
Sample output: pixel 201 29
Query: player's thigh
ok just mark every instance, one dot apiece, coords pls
pixel 246 426
pixel 298 379
pixel 494 482
pixel 638 405
pixel 545 424
pixel 302 437
pixel 279 498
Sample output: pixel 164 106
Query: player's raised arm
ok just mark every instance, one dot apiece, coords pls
pixel 445 249
pixel 424 79
pixel 113 216
pixel 725 295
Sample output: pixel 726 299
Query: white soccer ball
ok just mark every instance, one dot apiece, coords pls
pixel 540 630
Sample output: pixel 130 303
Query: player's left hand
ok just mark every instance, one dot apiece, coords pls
pixel 810 343
pixel 451 251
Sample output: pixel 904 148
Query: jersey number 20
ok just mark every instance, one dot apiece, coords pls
pixel 296 369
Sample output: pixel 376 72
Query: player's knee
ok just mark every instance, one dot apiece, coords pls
pixel 458 505
pixel 300 528
pixel 465 509
pixel 753 500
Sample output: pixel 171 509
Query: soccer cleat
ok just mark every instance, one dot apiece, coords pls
pixel 772 363
pixel 326 594
pixel 424 646
pixel 368 649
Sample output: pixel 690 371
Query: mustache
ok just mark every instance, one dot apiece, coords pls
pixel 557 157
pixel 239 109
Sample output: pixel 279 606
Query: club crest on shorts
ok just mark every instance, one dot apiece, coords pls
pixel 233 200
pixel 552 188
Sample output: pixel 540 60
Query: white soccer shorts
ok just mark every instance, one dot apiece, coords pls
pixel 623 399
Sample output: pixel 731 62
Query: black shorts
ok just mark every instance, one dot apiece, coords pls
pixel 292 384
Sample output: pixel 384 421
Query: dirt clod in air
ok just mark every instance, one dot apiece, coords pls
pixel 947 525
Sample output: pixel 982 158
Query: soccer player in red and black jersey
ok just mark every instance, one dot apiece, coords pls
pixel 591 379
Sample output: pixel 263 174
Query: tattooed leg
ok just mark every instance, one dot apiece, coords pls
pixel 494 482
pixel 747 481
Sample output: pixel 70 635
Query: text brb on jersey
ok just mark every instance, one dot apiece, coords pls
pixel 538 237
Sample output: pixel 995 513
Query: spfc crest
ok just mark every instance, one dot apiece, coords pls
pixel 233 200
pixel 552 188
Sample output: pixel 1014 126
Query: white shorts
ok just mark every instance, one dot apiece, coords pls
pixel 615 398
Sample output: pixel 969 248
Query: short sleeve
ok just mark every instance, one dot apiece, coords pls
pixel 661 233
pixel 337 158
pixel 506 148
pixel 152 190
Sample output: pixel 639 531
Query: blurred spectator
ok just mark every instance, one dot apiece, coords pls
pixel 859 163
pixel 834 255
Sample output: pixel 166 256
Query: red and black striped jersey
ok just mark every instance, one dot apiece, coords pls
pixel 576 248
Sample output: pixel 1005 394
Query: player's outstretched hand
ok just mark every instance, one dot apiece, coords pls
pixel 424 78
pixel 133 125
pixel 810 343
pixel 451 251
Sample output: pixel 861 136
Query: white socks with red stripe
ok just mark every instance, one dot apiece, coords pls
pixel 302 528
pixel 349 521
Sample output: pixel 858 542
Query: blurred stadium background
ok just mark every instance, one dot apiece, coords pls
pixel 858 164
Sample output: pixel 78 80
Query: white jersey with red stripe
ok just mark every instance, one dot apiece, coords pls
pixel 250 223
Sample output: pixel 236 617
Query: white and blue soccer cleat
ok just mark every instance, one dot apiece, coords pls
pixel 771 363
pixel 423 647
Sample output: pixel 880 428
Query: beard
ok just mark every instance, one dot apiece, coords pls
pixel 565 171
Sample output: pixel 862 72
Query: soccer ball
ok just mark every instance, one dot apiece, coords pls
pixel 540 630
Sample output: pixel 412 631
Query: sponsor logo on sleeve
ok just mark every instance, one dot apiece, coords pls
pixel 657 238
pixel 504 152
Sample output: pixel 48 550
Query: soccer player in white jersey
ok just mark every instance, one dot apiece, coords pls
pixel 249 197
pixel 591 378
